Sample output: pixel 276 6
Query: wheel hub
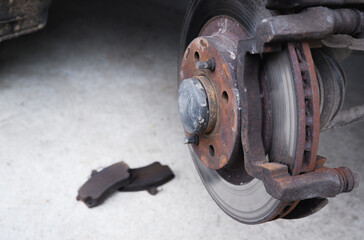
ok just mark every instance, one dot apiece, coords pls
pixel 208 96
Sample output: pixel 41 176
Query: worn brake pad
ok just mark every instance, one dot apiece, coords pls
pixel 119 177
pixel 148 178
pixel 103 183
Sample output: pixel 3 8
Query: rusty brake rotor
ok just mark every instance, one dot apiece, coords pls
pixel 253 121
pixel 210 105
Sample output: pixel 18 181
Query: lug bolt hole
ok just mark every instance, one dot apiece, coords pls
pixel 188 52
pixel 225 97
pixel 204 43
pixel 212 151
pixel 197 57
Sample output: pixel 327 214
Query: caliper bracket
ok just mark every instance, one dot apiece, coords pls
pixel 322 182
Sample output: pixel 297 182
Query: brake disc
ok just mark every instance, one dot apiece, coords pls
pixel 209 107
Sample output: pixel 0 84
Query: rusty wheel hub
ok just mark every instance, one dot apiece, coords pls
pixel 208 97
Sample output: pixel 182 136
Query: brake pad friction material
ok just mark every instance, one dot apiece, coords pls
pixel 104 183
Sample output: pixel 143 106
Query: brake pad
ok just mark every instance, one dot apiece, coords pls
pixel 120 177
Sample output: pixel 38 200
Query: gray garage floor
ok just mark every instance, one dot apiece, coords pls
pixel 99 86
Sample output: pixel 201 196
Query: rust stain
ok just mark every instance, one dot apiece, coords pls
pixel 223 161
pixel 204 160
pixel 234 121
pixel 226 71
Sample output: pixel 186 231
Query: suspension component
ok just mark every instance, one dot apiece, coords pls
pixel 310 24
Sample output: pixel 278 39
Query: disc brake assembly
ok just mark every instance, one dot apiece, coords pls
pixel 253 101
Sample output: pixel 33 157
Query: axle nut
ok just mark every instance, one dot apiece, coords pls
pixel 193 105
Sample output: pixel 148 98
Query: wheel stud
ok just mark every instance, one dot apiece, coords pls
pixel 191 140
pixel 210 64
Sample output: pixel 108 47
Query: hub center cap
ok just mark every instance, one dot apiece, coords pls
pixel 193 105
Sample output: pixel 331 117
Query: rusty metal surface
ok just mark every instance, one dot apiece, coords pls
pixel 306 98
pixel 291 4
pixel 308 80
pixel 288 166
pixel 240 189
pixel 22 17
pixel 220 143
pixel 312 23
pixel 253 146
pixel 322 182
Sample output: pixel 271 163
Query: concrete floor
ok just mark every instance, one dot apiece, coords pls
pixel 98 86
